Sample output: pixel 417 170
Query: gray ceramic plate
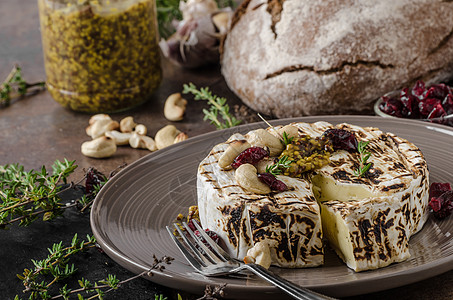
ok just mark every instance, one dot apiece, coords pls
pixel 129 215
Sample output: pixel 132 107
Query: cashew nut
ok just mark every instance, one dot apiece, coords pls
pixel 99 148
pixel 259 254
pixel 142 141
pixel 141 129
pixel 290 130
pixel 166 136
pixel 263 164
pixel 234 148
pixel 180 137
pixel 263 138
pixel 127 124
pixel 174 107
pixel 100 127
pixel 247 178
pixel 98 117
pixel 120 138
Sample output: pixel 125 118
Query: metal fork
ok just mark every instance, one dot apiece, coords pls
pixel 214 261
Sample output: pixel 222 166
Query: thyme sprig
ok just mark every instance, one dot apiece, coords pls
pixel 15 86
pixel 364 156
pixel 282 164
pixel 56 267
pixel 25 195
pixel 217 106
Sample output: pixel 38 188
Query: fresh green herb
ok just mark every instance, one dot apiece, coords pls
pixel 26 195
pixel 277 168
pixel 57 267
pixel 217 107
pixel 286 139
pixel 364 156
pixel 15 86
pixel 167 12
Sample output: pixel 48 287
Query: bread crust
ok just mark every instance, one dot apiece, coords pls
pixel 334 57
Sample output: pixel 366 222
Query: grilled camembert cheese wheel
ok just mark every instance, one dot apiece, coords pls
pixel 367 220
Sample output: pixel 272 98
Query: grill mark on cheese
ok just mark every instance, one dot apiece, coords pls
pixel 393 187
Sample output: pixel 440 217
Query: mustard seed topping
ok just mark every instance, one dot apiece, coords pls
pixel 307 154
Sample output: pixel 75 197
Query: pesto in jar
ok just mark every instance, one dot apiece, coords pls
pixel 100 56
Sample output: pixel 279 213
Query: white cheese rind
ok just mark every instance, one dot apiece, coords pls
pixel 369 227
pixel 289 222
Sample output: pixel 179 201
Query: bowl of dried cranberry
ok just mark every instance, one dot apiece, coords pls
pixel 432 103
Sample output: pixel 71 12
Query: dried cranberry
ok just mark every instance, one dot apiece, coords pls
pixel 442 206
pixel 426 106
pixel 191 226
pixel 419 90
pixel 93 178
pixel 437 112
pixel 272 182
pixel 447 103
pixel 410 104
pixel 437 188
pixel 391 106
pixel 341 139
pixel 250 155
pixel 438 91
pixel 210 233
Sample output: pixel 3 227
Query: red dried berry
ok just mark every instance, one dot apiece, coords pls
pixel 272 182
pixel 191 226
pixel 438 91
pixel 437 188
pixel 410 104
pixel 419 90
pixel 391 106
pixel 433 102
pixel 427 105
pixel 250 155
pixel 341 139
pixel 210 233
pixel 437 112
pixel 447 103
pixel 93 178
pixel 442 206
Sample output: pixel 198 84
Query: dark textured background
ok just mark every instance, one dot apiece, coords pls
pixel 36 131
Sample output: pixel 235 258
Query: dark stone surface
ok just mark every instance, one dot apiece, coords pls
pixel 35 131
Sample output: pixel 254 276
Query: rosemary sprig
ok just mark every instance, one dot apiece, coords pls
pixel 279 166
pixel 284 138
pixel 287 139
pixel 57 267
pixel 364 156
pixel 217 106
pixel 15 86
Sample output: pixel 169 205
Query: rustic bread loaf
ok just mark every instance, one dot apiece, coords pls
pixel 304 57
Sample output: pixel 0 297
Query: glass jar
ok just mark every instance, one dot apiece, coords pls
pixel 100 55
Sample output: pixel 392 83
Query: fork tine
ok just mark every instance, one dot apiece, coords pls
pixel 217 249
pixel 209 254
pixel 193 262
pixel 199 255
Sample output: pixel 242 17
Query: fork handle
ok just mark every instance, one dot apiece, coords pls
pixel 288 287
